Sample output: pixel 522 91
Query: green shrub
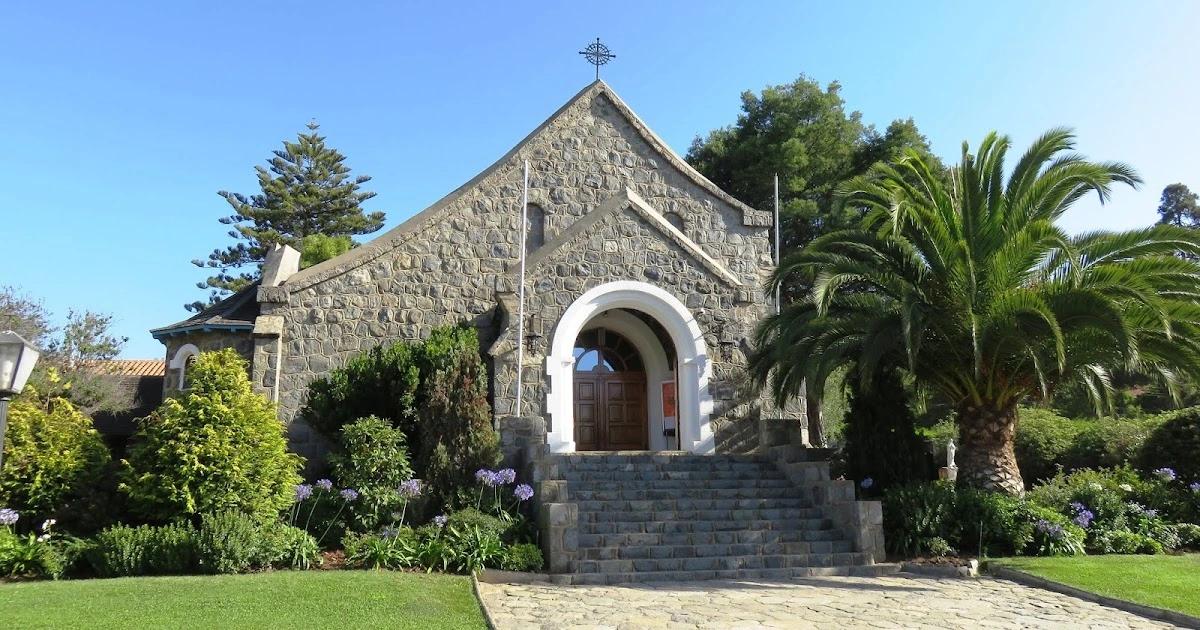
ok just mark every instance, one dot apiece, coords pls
pixel 456 434
pixel 1125 542
pixel 1043 439
pixel 468 518
pixel 371 457
pixel 472 549
pixel 1053 534
pixel 217 446
pixel 394 548
pixel 521 557
pixel 1189 536
pixel 1174 444
pixel 991 523
pixel 443 377
pixel 1100 491
pixel 381 381
pixel 916 513
pixel 231 542
pixel 285 546
pixel 51 454
pixel 124 551
pixel 1109 442
pixel 30 555
pixel 881 442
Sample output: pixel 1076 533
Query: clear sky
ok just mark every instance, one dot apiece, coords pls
pixel 122 120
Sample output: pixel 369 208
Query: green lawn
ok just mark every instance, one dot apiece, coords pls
pixel 1169 582
pixel 284 599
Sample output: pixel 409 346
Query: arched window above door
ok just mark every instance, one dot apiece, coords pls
pixel 602 350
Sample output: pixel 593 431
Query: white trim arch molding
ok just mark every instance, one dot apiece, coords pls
pixel 180 360
pixel 695 370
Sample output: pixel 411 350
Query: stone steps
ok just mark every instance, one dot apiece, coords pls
pixel 654 517
pixel 642 552
pixel 802 518
pixel 683 505
pixel 861 570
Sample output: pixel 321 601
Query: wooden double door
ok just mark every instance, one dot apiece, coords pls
pixel 610 394
pixel 610 411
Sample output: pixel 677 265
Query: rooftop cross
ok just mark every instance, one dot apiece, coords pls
pixel 597 54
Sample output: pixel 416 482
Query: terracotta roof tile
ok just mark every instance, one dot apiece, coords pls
pixel 137 367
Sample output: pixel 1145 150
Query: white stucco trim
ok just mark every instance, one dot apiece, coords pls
pixel 694 399
pixel 179 361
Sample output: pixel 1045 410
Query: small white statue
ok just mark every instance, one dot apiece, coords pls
pixel 950 449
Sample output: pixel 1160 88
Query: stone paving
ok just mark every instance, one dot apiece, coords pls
pixel 836 603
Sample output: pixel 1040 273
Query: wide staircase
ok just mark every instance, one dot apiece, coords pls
pixel 675 516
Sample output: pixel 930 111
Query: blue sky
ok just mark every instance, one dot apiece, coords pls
pixel 123 120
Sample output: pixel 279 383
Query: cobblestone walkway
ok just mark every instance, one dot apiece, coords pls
pixel 836 603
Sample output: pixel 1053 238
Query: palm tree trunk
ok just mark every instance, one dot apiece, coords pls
pixel 985 458
pixel 816 425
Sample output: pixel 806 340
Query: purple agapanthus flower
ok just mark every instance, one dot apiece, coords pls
pixel 482 475
pixel 523 492
pixel 867 483
pixel 1151 513
pixel 9 516
pixel 409 489
pixel 1050 529
pixel 303 491
pixel 1166 474
pixel 507 475
pixel 389 532
pixel 440 520
pixel 325 485
pixel 349 494
pixel 1195 487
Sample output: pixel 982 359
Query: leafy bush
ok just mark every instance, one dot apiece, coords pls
pixel 381 381
pixel 472 549
pixel 231 542
pixel 1175 444
pixel 1189 536
pixel 914 514
pixel 456 434
pixel 285 546
pixel 469 518
pixel 51 454
pixel 1110 442
pixel 394 548
pixel 372 458
pixel 123 551
pixel 992 523
pixel 521 557
pixel 29 555
pixel 1043 439
pixel 216 446
pixel 1125 542
pixel 881 442
pixel 1102 492
pixel 1053 534
pixel 450 437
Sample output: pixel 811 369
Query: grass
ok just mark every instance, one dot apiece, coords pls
pixel 1169 582
pixel 284 599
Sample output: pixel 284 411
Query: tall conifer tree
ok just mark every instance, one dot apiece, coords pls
pixel 306 189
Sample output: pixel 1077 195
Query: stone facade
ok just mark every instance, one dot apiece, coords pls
pixel 615 205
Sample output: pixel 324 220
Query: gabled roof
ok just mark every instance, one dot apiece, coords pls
pixel 412 227
pixel 236 312
pixel 631 200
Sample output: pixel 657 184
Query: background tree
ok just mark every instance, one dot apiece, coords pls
pixel 1179 207
pixel 803 133
pixel 988 301
pixel 306 189
pixel 74 361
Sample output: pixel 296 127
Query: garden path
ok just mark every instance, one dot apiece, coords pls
pixel 836 603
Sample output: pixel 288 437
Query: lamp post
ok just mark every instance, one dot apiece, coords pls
pixel 17 357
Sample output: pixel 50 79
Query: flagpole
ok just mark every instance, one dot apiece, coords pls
pixel 778 305
pixel 521 286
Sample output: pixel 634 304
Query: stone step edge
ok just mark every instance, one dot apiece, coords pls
pixel 593 579
pixel 699 552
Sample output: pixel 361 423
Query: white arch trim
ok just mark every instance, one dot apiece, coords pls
pixel 182 355
pixel 694 400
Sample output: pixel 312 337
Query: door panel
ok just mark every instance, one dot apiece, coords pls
pixel 610 411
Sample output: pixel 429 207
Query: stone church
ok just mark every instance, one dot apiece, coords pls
pixel 644 282
pixel 649 457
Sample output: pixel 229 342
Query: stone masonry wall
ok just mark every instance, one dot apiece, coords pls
pixel 210 341
pixel 451 264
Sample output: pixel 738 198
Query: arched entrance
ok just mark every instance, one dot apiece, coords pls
pixel 600 308
pixel 610 393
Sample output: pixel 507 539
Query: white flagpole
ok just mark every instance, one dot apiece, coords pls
pixel 778 306
pixel 521 287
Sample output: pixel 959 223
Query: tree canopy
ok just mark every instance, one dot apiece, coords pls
pixel 1179 206
pixel 971 285
pixel 306 190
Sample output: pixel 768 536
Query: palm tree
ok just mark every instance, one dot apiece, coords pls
pixel 967 282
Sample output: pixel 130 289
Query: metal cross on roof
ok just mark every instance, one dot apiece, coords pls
pixel 597 54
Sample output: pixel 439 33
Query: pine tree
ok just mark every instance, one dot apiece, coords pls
pixel 306 189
